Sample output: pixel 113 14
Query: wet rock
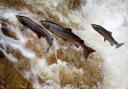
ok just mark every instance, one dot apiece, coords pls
pixel 6 30
pixel 10 76
pixel 22 61
pixel 9 33
pixel 13 3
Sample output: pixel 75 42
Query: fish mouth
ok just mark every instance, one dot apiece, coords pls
pixel 94 25
pixel 18 17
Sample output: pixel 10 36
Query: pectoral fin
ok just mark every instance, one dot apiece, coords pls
pixel 77 45
pixel 87 52
pixel 111 44
pixel 119 45
pixel 110 32
pixel 104 39
pixel 39 36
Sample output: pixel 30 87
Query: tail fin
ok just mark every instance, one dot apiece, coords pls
pixel 86 52
pixel 119 45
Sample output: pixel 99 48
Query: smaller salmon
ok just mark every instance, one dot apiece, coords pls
pixel 36 28
pixel 67 34
pixel 107 35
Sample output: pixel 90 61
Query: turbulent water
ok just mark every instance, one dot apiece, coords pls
pixel 111 14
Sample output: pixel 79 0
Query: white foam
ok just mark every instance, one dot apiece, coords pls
pixel 110 16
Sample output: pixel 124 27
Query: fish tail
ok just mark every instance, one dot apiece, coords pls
pixel 47 50
pixel 86 52
pixel 119 45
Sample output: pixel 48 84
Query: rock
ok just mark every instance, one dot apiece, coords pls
pixel 13 3
pixel 9 33
pixel 10 76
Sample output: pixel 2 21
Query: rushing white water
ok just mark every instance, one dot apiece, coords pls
pixel 111 14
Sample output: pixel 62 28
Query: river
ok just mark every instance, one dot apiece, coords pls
pixel 64 66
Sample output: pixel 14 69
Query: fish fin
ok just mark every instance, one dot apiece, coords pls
pixel 77 45
pixel 110 32
pixel 47 50
pixel 104 39
pixel 111 44
pixel 86 52
pixel 39 36
pixel 82 41
pixel 119 45
pixel 68 29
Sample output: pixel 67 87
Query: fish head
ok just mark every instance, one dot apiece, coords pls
pixel 19 17
pixel 22 19
pixel 96 27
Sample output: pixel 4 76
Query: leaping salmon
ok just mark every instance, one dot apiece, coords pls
pixel 107 35
pixel 66 34
pixel 36 28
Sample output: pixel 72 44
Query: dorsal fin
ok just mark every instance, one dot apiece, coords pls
pixel 110 32
pixel 68 29
pixel 104 39
pixel 82 41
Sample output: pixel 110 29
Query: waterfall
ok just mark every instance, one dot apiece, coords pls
pixel 64 66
